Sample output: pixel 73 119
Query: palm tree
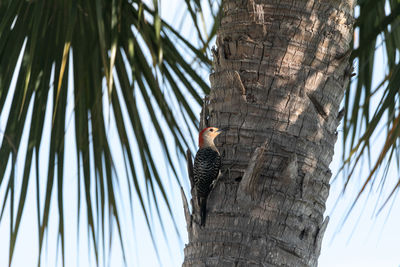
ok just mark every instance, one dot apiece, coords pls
pixel 280 72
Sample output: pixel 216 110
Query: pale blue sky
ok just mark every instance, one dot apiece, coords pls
pixel 364 240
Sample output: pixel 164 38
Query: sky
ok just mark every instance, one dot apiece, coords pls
pixel 364 239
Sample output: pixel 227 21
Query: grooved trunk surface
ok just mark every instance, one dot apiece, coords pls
pixel 281 68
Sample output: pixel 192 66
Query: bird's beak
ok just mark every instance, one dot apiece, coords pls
pixel 223 129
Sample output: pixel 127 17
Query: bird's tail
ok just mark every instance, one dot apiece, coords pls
pixel 203 208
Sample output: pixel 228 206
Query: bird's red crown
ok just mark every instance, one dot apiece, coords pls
pixel 201 140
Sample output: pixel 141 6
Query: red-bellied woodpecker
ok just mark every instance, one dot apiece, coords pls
pixel 207 164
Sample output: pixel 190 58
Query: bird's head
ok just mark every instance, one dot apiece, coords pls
pixel 207 136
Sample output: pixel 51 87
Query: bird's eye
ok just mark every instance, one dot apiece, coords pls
pixel 211 130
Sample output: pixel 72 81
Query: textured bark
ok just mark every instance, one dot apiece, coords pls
pixel 281 68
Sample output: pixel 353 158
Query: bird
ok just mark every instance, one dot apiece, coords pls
pixel 206 167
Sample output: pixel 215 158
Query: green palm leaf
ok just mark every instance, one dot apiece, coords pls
pixel 117 49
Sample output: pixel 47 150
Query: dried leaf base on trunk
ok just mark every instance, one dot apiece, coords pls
pixel 281 68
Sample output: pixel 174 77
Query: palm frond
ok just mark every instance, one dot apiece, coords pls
pixel 120 50
pixel 372 105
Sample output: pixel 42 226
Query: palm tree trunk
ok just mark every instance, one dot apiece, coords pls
pixel 281 69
